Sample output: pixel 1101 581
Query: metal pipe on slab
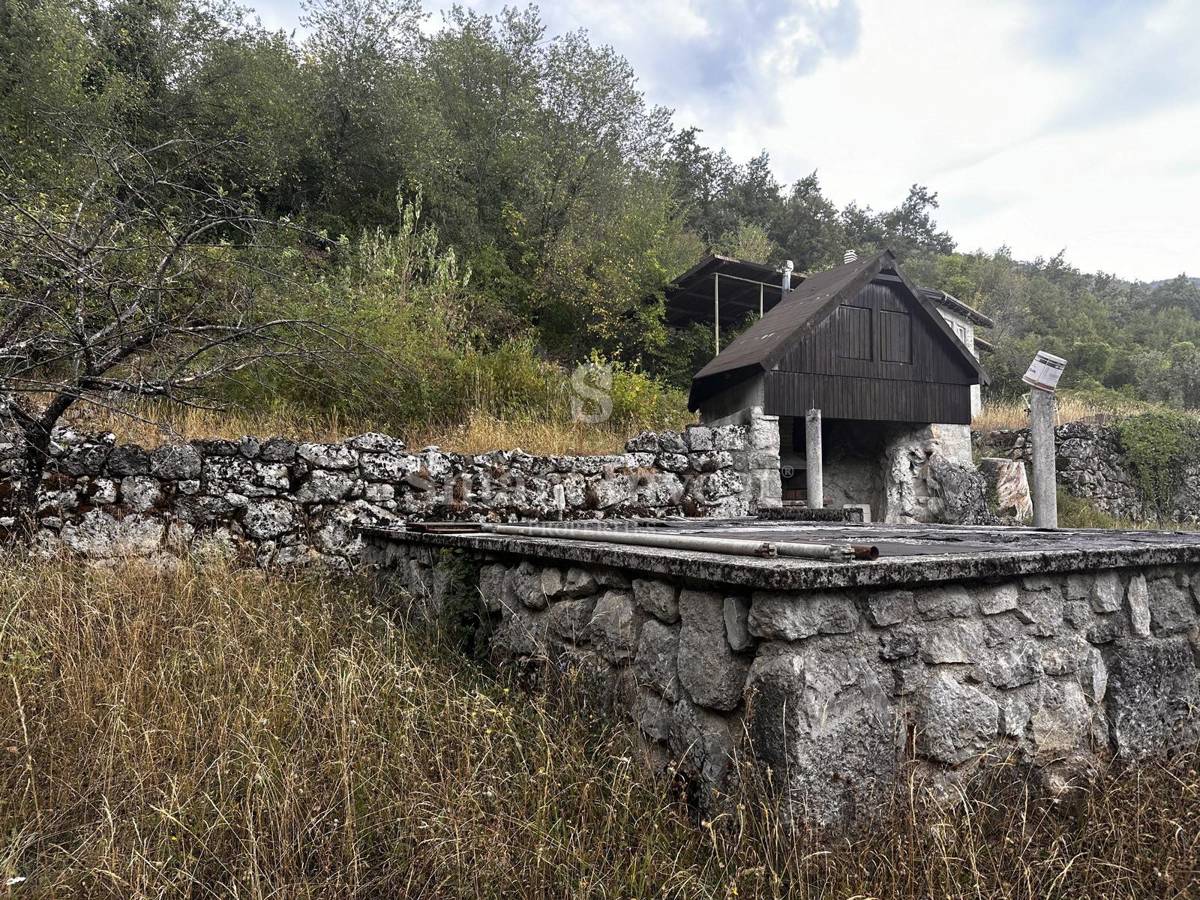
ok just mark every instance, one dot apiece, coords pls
pixel 640 539
pixel 733 546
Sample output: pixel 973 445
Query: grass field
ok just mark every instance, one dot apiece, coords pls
pixel 207 732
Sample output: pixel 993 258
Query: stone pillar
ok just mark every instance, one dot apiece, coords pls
pixel 1041 435
pixel 812 453
pixel 766 489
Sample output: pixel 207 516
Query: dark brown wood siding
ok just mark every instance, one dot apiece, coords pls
pixel 875 358
pixel 842 397
pixel 879 317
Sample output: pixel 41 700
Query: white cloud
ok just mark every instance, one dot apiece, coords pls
pixel 1070 124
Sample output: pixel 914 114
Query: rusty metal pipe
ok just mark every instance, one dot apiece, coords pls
pixel 640 539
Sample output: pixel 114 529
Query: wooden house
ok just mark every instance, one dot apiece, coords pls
pixel 858 346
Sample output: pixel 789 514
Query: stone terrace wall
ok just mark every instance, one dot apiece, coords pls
pixel 280 502
pixel 1088 463
pixel 844 693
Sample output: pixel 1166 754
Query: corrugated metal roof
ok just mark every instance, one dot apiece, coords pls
pixel 951 302
pixel 690 297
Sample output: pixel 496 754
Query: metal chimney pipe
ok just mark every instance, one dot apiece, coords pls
pixel 787 276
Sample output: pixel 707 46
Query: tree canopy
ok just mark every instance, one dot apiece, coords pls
pixel 567 200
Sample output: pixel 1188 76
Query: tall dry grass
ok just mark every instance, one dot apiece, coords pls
pixel 209 732
pixel 1014 413
pixel 151 424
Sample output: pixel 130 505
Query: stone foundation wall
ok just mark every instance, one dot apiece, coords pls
pixel 839 693
pixel 282 502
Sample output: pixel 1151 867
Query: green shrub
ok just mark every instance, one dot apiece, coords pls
pixel 417 348
pixel 1159 445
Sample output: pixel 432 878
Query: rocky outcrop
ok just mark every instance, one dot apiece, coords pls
pixel 1008 488
pixel 282 502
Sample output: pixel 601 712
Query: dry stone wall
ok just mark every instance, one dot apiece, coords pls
pixel 1089 463
pixel 284 502
pixel 843 694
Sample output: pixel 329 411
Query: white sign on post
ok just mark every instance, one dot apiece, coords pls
pixel 1044 371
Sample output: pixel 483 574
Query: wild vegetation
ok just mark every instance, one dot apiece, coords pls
pixel 472 206
pixel 210 731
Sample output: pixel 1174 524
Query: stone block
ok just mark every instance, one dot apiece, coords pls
pixel 570 620
pixel 526 583
pixel 737 623
pixel 823 722
pixel 1062 720
pixel 998 599
pixel 493 582
pixel 176 462
pixel 659 598
pixel 1064 655
pixel 522 632
pixel 140 492
pixel 698 438
pixel 713 675
pixel 270 518
pixel 1137 597
pixel 955 722
pixel 729 437
pixel 703 743
pixel 901 642
pixel 278 450
pixel 579 583
pixel 325 487
pixel 656 661
pixel 1093 675
pixel 1042 611
pixel 328 456
pixel 887 608
pixel 951 601
pixel 553 583
pixel 1012 666
pixel 653 715
pixel 391 467
pixel 794 616
pixel 673 462
pixel 1153 695
pixel 615 626
pixel 1105 630
pixel 129 459
pixel 1171 609
pixel 373 442
pixel 952 641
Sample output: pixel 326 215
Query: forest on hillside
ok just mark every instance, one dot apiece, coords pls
pixel 470 206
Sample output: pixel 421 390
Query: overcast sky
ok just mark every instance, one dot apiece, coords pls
pixel 1042 124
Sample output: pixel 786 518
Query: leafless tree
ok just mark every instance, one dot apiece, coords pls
pixel 146 281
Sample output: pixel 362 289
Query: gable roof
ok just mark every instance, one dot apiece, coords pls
pixel 761 346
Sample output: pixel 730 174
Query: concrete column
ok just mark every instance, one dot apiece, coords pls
pixel 1041 434
pixel 812 453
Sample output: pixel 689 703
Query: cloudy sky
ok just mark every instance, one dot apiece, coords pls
pixel 1042 124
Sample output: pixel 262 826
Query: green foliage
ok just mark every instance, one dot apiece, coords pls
pixel 1159 445
pixel 540 163
pixel 415 352
pixel 1075 512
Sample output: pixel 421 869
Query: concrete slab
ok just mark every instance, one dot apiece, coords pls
pixel 909 554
